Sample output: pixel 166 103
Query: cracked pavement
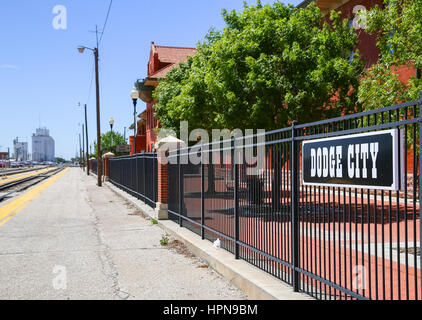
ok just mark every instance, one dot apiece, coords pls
pixel 78 241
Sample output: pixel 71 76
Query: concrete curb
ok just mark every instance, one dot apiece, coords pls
pixel 257 284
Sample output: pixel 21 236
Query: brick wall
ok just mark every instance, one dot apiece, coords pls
pixel 140 144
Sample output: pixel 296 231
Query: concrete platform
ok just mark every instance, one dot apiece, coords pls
pixel 69 239
pixel 256 283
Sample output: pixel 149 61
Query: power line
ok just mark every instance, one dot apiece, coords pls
pixel 105 22
pixel 90 84
pixel 98 43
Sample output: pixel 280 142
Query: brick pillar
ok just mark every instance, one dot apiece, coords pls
pixel 162 199
pixel 164 146
pixel 91 163
pixel 106 170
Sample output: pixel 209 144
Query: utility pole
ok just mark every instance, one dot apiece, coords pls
pixel 80 151
pixel 86 139
pixel 97 81
pixel 83 147
pixel 81 49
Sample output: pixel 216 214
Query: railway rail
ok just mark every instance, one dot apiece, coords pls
pixel 7 189
pixel 8 172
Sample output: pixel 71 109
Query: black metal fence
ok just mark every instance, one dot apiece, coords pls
pixel 329 242
pixel 137 175
pixel 95 166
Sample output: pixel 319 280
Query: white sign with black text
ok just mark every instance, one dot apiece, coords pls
pixel 368 160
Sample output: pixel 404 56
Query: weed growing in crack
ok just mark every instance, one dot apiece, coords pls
pixel 164 241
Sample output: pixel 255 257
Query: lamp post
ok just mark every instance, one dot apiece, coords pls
pixel 134 94
pixel 81 49
pixel 86 141
pixel 111 122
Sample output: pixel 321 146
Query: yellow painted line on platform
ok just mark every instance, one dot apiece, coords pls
pixel 19 176
pixel 11 209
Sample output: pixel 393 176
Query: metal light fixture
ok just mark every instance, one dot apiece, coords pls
pixel 111 122
pixel 134 94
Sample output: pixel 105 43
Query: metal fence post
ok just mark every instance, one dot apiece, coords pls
pixel 202 194
pixel 137 175
pixel 145 176
pixel 180 187
pixel 295 209
pixel 236 201
pixel 420 179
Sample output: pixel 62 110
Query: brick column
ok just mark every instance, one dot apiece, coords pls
pixel 164 146
pixel 162 199
pixel 106 170
pixel 90 163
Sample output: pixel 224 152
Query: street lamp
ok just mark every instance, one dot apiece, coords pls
pixel 111 122
pixel 81 49
pixel 86 140
pixel 134 94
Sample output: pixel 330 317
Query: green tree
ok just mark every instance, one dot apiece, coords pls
pixel 270 65
pixel 398 27
pixel 60 160
pixel 109 143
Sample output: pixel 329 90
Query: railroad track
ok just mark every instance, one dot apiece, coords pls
pixel 5 173
pixel 26 182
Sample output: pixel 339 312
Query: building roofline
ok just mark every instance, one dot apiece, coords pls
pixel 174 47
pixel 304 4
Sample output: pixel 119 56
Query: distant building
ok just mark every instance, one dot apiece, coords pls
pixel 4 156
pixel 42 146
pixel 20 150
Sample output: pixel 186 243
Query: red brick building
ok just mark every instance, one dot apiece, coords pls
pixel 140 134
pixel 162 59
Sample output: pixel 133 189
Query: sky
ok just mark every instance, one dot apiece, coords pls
pixel 43 77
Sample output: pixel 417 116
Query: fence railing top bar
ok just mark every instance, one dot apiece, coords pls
pixel 358 130
pixel 138 155
pixel 360 114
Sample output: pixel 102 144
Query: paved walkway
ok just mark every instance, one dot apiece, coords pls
pixel 69 239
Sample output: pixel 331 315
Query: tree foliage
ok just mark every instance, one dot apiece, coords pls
pixel 270 65
pixel 398 27
pixel 60 160
pixel 399 31
pixel 109 144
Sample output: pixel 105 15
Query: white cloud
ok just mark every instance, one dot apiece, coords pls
pixel 8 66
